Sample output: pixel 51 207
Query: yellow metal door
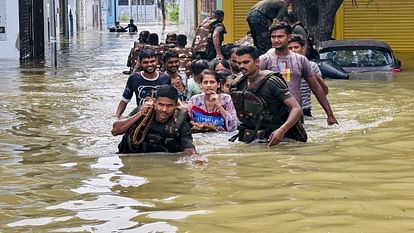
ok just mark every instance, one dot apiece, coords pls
pixel 235 18
pixel 241 8
pixel 389 21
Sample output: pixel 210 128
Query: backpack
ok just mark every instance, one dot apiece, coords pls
pixel 258 110
pixel 203 35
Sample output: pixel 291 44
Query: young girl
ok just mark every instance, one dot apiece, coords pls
pixel 211 108
pixel 226 83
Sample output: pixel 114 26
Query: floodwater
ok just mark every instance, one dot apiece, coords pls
pixel 59 171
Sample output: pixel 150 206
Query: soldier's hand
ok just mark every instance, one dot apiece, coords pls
pixel 147 105
pixel 276 137
pixel 197 159
pixel 331 120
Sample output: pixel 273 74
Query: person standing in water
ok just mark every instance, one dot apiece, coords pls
pixel 211 107
pixel 293 67
pixel 266 109
pixel 169 131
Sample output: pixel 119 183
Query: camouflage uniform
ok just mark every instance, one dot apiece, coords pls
pixel 159 51
pixel 185 57
pixel 247 40
pixel 203 47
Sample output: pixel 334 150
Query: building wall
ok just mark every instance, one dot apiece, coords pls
pixel 187 19
pixel 72 9
pixel 140 13
pixel 192 12
pixel 207 7
pixel 9 22
pixel 109 9
pixel 92 16
pixel 227 7
pixel 81 15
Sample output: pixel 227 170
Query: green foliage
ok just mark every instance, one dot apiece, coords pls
pixel 124 18
pixel 173 11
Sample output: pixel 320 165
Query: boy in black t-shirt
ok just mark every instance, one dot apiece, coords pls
pixel 142 83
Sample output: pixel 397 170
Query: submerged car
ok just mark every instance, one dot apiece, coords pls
pixel 355 56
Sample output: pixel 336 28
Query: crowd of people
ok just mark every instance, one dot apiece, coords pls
pixel 261 91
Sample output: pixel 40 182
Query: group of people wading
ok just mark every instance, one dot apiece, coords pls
pixel 262 93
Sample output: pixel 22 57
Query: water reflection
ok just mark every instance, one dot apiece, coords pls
pixel 59 171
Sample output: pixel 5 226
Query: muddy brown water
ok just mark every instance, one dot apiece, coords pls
pixel 59 171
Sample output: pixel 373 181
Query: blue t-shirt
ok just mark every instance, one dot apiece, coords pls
pixel 142 87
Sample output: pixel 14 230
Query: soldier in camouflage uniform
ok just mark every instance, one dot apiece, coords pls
pixel 185 54
pixel 247 40
pixel 266 109
pixel 209 37
pixel 138 46
pixel 153 44
pixel 171 39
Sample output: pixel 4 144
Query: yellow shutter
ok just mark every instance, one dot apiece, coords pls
pixel 241 7
pixel 389 21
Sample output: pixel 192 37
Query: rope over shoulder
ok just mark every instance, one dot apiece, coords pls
pixel 142 129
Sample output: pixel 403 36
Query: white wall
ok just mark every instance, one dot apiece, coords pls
pixel 104 14
pixel 89 14
pixel 9 18
pixel 187 19
pixel 145 12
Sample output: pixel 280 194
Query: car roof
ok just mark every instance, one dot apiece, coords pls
pixel 331 44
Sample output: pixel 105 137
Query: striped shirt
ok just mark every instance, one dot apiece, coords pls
pixel 305 89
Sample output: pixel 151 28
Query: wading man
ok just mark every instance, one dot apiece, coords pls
pixel 297 44
pixel 264 105
pixel 142 83
pixel 294 67
pixel 163 126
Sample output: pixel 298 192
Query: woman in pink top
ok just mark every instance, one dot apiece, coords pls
pixel 212 108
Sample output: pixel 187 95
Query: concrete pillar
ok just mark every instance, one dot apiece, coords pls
pixel 187 18
pixel 9 29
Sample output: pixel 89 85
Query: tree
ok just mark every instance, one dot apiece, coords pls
pixel 318 16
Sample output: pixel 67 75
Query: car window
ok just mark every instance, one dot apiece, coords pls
pixel 358 57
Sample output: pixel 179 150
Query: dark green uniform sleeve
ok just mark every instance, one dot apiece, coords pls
pixel 279 88
pixel 186 139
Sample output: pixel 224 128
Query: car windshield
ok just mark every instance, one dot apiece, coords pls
pixel 358 57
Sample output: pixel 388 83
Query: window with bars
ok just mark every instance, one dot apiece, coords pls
pixel 136 2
